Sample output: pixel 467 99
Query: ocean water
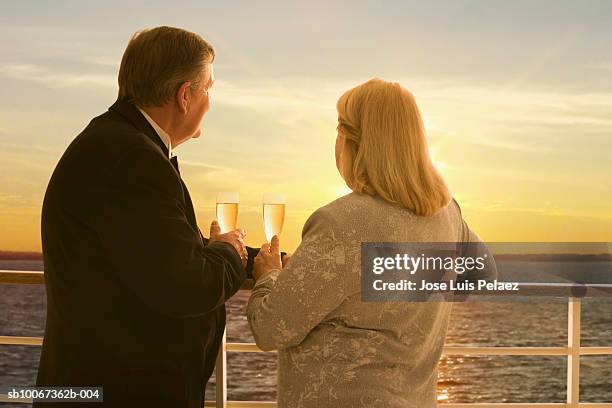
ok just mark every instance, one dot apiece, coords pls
pixel 252 376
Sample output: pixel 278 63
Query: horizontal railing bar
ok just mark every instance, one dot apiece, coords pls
pixel 569 289
pixel 243 348
pixel 506 351
pixel 501 351
pixel 257 404
pixel 21 341
pixel 230 404
pixel 505 405
pixel 38 278
pixel 595 351
pixel 243 404
pixel 550 288
pixel 22 277
pixel 525 405
pixel 453 350
pixel 5 398
pixel 466 351
pixel 595 404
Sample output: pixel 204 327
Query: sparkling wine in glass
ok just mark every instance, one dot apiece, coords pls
pixel 273 214
pixel 227 211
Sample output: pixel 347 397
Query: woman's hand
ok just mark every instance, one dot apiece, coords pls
pixel 267 259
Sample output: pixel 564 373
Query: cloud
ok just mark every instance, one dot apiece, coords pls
pixel 19 202
pixel 532 120
pixel 55 79
pixel 29 147
pixel 268 95
pixel 107 62
pixel 548 209
pixel 202 168
pixel 603 66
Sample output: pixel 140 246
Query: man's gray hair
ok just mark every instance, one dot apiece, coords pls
pixel 157 61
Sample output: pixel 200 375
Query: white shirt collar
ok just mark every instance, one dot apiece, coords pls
pixel 160 132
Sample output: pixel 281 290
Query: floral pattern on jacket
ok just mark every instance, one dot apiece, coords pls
pixel 335 350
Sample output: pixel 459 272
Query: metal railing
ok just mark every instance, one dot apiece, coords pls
pixel 573 351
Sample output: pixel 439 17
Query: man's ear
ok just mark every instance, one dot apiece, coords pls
pixel 183 97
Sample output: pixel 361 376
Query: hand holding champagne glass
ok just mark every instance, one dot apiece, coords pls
pixel 227 210
pixel 273 214
pixel 268 259
pixel 225 228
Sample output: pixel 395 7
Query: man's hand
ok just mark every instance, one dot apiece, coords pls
pixel 267 259
pixel 235 238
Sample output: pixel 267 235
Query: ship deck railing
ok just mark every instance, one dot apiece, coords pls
pixel 573 351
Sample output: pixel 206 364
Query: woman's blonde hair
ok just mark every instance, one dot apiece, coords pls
pixel 385 151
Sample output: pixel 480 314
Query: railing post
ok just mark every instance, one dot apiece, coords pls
pixel 221 375
pixel 573 357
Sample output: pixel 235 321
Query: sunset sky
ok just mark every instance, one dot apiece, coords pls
pixel 516 96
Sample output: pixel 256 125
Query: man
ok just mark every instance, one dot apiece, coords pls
pixel 135 294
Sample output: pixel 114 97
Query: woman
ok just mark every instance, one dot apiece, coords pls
pixel 333 349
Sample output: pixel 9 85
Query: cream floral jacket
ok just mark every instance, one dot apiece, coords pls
pixel 335 350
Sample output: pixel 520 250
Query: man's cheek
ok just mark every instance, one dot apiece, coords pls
pixel 208 103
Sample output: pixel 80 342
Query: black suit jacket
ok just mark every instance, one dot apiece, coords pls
pixel 135 294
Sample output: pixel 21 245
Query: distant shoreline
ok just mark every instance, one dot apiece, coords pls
pixel 20 256
pixel 604 257
pixel 554 257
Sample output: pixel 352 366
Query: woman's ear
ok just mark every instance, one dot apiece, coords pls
pixel 182 97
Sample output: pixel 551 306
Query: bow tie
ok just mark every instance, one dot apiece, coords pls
pixel 174 161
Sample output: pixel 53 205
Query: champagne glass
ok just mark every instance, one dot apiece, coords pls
pixel 273 214
pixel 227 211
